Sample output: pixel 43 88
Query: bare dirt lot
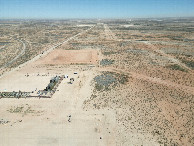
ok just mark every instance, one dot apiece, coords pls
pixel 60 56
pixel 60 120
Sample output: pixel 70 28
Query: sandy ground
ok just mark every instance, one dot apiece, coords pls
pixel 48 123
pixel 61 119
pixel 71 118
pixel 60 56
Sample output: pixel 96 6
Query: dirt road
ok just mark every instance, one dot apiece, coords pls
pixel 60 120
pixel 170 57
pixel 19 55
pixel 109 34
pixel 151 79
pixel 45 52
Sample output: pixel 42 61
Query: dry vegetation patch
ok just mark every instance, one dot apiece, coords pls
pixel 148 109
pixel 24 110
pixel 108 80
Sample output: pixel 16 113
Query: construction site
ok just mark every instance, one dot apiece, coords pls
pixel 97 82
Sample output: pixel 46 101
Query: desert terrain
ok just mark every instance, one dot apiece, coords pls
pixel 121 82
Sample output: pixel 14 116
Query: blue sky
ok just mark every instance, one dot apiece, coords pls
pixel 54 9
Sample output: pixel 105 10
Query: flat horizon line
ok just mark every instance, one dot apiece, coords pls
pixel 181 17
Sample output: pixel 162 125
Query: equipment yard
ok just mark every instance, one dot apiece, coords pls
pixel 105 82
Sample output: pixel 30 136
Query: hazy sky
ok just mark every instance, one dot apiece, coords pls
pixel 95 8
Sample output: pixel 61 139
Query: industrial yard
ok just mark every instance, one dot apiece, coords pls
pixel 97 82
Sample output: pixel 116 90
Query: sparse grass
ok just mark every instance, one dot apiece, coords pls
pixel 98 87
pixel 123 78
pixel 16 109
pixel 140 104
pixel 2 121
pixel 189 63
pixel 105 62
pixel 106 53
pixel 81 64
pixel 108 80
pixel 23 109
pixel 160 142
pixel 176 67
